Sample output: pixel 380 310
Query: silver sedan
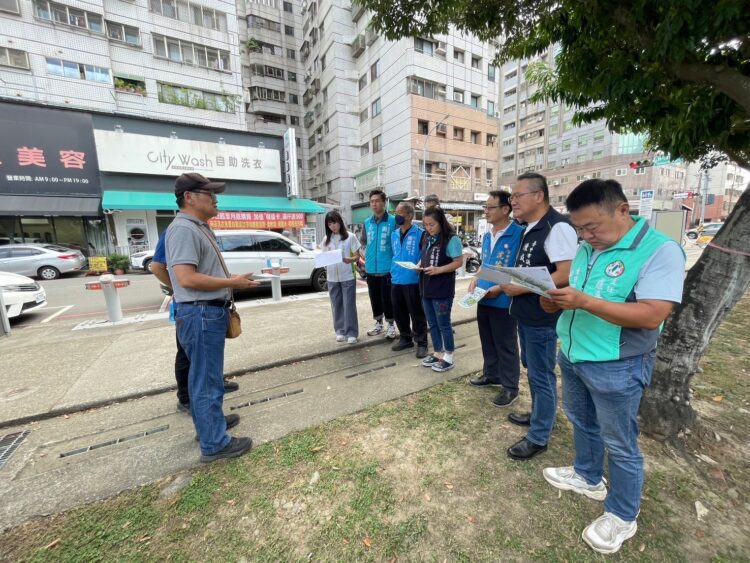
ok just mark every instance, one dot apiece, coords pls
pixel 47 261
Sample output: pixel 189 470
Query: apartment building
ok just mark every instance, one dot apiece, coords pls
pixel 541 137
pixel 726 182
pixel 410 117
pixel 152 88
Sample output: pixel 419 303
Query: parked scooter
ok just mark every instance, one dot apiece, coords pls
pixel 474 259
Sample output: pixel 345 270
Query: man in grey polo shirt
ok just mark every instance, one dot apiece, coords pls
pixel 202 293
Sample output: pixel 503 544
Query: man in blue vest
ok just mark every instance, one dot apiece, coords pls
pixel 378 255
pixel 407 303
pixel 548 241
pixel 624 282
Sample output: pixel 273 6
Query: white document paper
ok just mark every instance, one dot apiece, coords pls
pixel 494 275
pixel 471 299
pixel 536 279
pixel 409 265
pixel 329 258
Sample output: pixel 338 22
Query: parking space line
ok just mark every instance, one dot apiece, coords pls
pixel 55 315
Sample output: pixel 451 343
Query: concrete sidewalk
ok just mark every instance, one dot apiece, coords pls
pixel 48 371
pixel 292 375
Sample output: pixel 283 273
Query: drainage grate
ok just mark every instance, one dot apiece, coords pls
pixel 267 399
pixel 9 444
pixel 371 370
pixel 99 445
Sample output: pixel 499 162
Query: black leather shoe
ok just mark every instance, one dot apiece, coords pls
pixel 520 419
pixel 230 386
pixel 421 351
pixel 402 345
pixel 505 398
pixel 523 450
pixel 483 381
pixel 235 448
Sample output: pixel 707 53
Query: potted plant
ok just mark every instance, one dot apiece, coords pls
pixel 118 263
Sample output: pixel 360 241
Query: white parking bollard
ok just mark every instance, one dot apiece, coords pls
pixel 109 286
pixel 275 269
pixel 4 320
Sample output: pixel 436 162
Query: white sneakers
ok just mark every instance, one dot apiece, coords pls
pixel 607 533
pixel 351 340
pixel 376 329
pixel 567 479
pixel 340 338
pixel 390 333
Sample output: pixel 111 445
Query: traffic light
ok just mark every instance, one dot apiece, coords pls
pixel 641 164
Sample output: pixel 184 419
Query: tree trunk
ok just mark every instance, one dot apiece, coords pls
pixel 713 286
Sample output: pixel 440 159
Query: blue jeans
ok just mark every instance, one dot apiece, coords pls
pixel 438 314
pixel 601 400
pixel 202 330
pixel 538 347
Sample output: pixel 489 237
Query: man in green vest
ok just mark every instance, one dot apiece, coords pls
pixel 624 281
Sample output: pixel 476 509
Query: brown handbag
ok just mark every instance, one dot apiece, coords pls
pixel 234 328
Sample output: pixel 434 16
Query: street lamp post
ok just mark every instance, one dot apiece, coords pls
pixel 424 155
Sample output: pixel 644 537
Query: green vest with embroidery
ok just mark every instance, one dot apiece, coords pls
pixel 612 276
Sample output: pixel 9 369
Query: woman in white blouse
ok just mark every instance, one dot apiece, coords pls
pixel 342 284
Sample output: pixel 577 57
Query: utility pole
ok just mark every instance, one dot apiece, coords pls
pixel 704 195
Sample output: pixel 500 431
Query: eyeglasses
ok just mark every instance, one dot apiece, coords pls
pixel 488 207
pixel 210 194
pixel 513 197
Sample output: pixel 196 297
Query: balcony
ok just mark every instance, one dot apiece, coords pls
pixel 370 179
pixel 308 97
pixel 309 119
pixel 318 111
pixel 305 51
pixel 357 10
pixel 370 36
pixel 358 46
pixel 315 86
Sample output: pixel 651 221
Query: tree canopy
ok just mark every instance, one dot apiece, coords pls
pixel 676 70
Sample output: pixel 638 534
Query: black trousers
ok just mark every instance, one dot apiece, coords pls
pixel 498 333
pixel 379 288
pixel 407 308
pixel 181 370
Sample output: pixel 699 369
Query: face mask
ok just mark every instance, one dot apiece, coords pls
pixel 400 220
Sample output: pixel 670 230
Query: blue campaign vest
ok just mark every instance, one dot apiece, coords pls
pixel 406 250
pixel 441 286
pixel 526 308
pixel 504 254
pixel 378 253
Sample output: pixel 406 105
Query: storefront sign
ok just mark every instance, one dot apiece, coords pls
pixel 257 220
pixel 130 153
pixel 47 152
pixel 646 207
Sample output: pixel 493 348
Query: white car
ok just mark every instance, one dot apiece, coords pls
pixel 252 250
pixel 141 260
pixel 21 294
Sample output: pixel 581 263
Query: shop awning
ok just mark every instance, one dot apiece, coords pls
pixel 49 205
pixel 165 200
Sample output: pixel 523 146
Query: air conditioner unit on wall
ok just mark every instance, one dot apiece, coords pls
pixel 441 48
pixel 458 97
pixel 442 166
pixel 442 128
pixel 556 183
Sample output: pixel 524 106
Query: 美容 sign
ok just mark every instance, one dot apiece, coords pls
pixel 131 153
pixel 47 152
pixel 228 220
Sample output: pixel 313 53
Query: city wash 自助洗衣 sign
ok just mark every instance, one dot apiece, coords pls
pixel 130 153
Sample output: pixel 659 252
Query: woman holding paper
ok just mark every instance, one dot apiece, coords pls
pixel 441 256
pixel 342 285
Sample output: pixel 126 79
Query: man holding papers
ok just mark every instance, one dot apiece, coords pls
pixel 624 282
pixel 551 242
pixel 407 303
pixel 497 329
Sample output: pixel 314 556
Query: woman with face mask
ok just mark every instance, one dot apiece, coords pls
pixel 441 256
pixel 342 285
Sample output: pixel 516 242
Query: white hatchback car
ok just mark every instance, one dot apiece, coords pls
pixel 21 294
pixel 252 250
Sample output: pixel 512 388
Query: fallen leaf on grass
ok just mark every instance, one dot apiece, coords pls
pixel 449 486
pixel 718 398
pixel 427 498
pixel 642 547
pixel 52 544
pixel 470 518
pixel 126 524
pixel 144 538
pixel 317 449
pixel 367 541
pixel 232 502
